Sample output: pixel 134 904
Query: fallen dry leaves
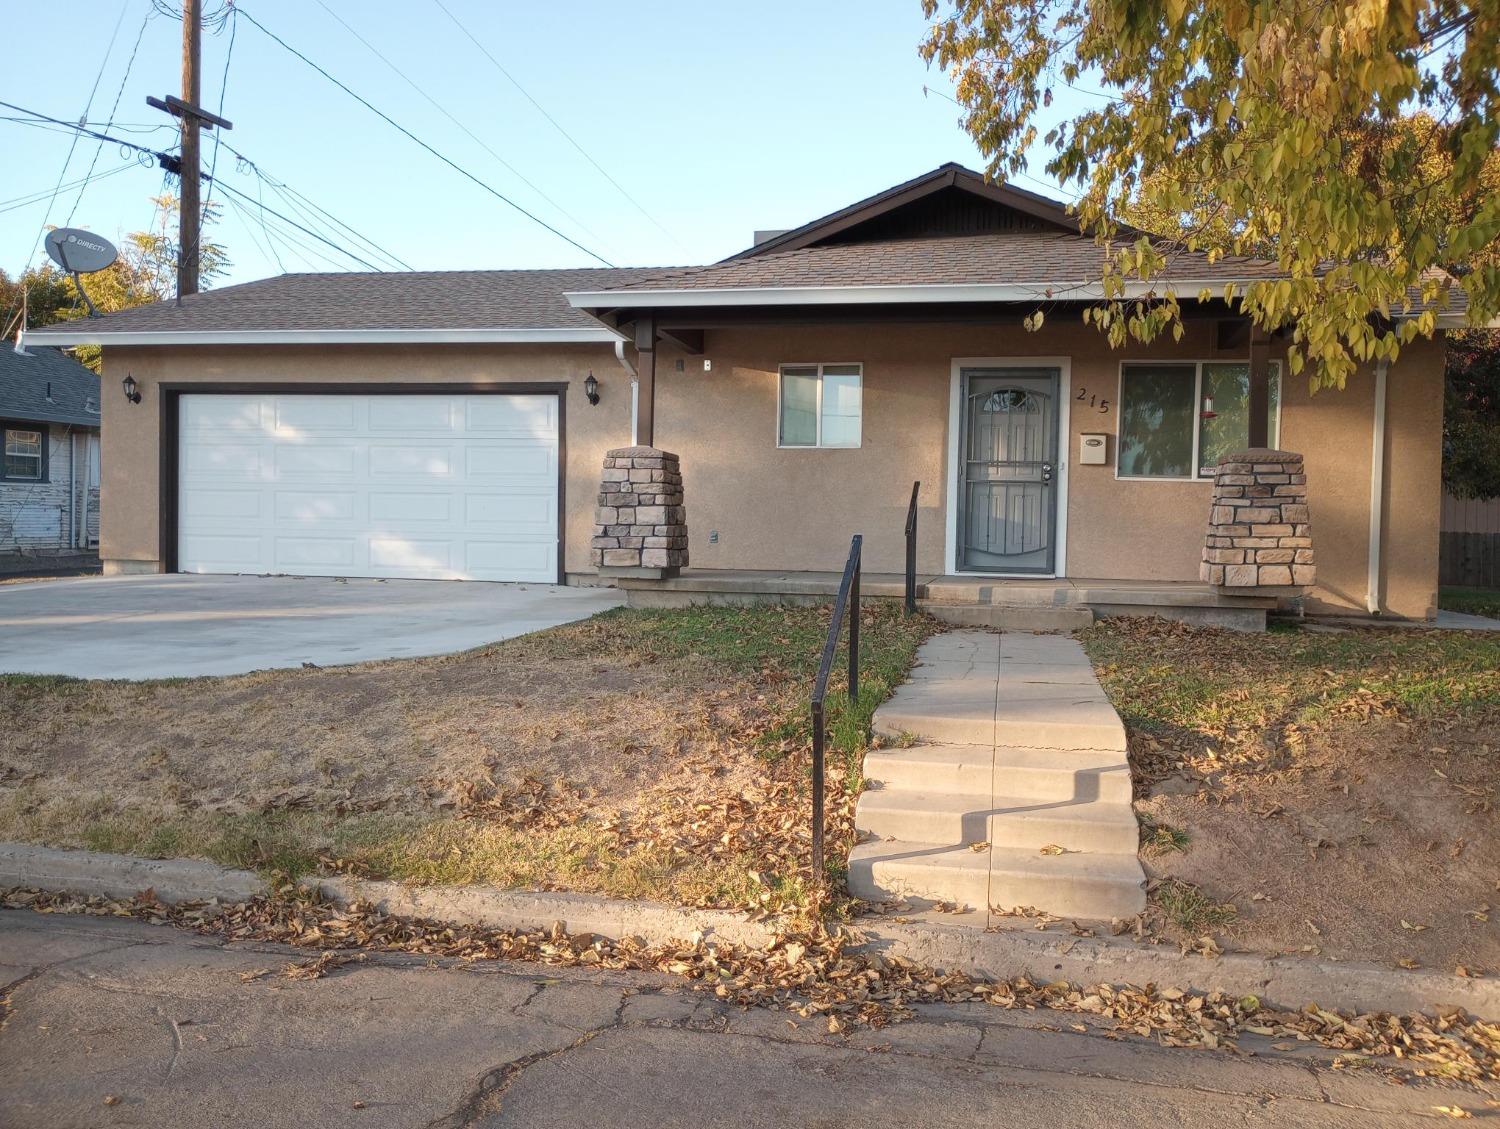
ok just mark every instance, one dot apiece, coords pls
pixel 818 973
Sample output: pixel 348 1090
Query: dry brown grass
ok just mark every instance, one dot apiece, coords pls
pixel 576 757
pixel 1320 794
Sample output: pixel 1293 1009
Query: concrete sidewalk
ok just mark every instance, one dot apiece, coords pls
pixel 1007 785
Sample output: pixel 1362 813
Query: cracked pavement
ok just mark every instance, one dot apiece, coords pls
pixel 114 1022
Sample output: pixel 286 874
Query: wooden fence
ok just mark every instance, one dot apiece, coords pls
pixel 1469 549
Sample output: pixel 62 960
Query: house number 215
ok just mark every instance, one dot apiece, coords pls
pixel 1093 401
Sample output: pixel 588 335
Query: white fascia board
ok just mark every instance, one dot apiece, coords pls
pixel 871 295
pixel 82 334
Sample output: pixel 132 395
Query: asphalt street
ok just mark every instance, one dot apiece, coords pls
pixel 112 1022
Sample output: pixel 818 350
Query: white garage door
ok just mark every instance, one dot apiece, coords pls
pixel 436 487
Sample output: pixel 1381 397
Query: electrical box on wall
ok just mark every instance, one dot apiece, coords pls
pixel 1093 449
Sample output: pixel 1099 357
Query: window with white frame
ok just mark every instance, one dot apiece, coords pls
pixel 25 454
pixel 820 406
pixel 1178 418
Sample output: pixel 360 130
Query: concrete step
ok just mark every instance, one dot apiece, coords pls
pixel 1088 886
pixel 938 709
pixel 1014 617
pixel 1092 886
pixel 1011 821
pixel 1056 719
pixel 961 769
pixel 1042 774
pixel 884 869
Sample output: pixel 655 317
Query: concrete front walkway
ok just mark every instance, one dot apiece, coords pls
pixel 183 626
pixel 1006 784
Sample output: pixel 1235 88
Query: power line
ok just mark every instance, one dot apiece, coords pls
pixel 172 163
pixel 37 197
pixel 213 164
pixel 412 136
pixel 292 196
pixel 89 105
pixel 113 110
pixel 306 231
pixel 444 111
pixel 554 123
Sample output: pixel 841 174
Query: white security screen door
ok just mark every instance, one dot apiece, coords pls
pixel 422 486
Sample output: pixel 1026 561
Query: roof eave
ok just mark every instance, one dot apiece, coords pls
pixel 82 335
pixel 877 295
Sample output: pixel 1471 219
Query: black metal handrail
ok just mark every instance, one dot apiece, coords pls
pixel 911 549
pixel 847 600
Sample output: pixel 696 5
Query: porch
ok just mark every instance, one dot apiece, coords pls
pixel 1023 604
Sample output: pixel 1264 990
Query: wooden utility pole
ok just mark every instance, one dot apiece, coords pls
pixel 188 168
pixel 189 212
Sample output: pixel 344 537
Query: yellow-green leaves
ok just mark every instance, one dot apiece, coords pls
pixel 1354 145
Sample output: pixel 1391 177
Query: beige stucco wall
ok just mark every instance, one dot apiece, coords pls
pixel 130 532
pixel 796 509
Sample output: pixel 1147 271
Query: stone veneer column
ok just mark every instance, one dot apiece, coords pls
pixel 640 527
pixel 1259 532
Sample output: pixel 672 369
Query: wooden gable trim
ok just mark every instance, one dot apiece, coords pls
pixel 948 176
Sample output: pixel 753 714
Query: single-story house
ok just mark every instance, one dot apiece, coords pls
pixel 49 479
pixel 457 424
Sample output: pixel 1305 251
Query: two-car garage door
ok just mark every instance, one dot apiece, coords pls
pixel 436 487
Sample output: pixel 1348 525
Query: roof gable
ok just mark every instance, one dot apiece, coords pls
pixel 950 200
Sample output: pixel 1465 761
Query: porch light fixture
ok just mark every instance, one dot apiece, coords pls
pixel 591 389
pixel 1208 408
pixel 131 392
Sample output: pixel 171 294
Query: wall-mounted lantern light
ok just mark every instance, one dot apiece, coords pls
pixel 132 393
pixel 1208 408
pixel 591 389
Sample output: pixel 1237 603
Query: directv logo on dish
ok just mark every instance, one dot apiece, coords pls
pixel 86 243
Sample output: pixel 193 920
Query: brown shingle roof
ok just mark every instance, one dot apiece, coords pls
pixel 1012 257
pixel 507 299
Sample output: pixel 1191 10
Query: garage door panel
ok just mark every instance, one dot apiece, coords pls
pixel 514 461
pixel 205 458
pixel 316 415
pixel 295 551
pixel 521 416
pixel 408 415
pixel 410 462
pixel 229 503
pixel 370 485
pixel 499 560
pixel 424 509
pixel 315 460
pixel 221 552
pixel 309 507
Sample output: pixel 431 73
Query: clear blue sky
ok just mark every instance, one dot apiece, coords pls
pixel 716 118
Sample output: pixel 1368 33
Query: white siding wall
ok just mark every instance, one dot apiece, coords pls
pixel 34 516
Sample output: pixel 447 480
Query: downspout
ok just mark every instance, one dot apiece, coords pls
pixel 635 386
pixel 1377 489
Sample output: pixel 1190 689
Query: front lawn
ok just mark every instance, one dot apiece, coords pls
pixel 1316 791
pixel 657 754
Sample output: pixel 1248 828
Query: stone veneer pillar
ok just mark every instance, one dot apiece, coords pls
pixel 640 527
pixel 1259 531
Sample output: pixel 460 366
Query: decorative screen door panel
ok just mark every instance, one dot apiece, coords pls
pixel 1007 489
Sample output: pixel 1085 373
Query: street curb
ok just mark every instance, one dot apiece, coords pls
pixel 1043 956
pixel 1286 982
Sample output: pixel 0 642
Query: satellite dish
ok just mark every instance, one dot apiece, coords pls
pixel 80 252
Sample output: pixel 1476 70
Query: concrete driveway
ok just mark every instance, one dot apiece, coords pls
pixel 183 626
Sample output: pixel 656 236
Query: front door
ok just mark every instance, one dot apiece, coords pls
pixel 1007 470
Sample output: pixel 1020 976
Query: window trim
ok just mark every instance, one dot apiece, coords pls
pixel 1196 475
pixel 819 445
pixel 44 469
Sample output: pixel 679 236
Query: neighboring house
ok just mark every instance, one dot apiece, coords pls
pixel 49 479
pixel 438 425
pixel 1470 542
